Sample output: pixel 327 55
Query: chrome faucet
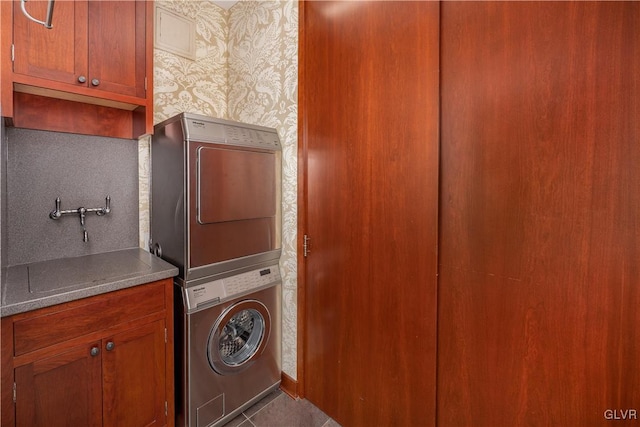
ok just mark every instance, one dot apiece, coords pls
pixel 82 212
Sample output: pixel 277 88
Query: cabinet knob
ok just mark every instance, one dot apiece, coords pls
pixel 95 82
pixel 95 351
pixel 110 345
pixel 82 79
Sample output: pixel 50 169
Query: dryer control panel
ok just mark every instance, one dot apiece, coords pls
pixel 220 290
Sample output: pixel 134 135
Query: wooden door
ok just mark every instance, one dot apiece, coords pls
pixel 134 377
pixel 117 46
pixel 540 199
pixel 58 54
pixel 61 390
pixel 369 150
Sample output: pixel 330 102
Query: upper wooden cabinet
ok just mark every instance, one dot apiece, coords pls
pixel 97 48
pixel 94 66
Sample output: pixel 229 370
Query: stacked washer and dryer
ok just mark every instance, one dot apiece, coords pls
pixel 215 214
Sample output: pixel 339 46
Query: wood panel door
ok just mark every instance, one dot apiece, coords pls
pixel 369 158
pixel 134 377
pixel 117 46
pixel 539 283
pixel 61 390
pixel 100 45
pixel 58 54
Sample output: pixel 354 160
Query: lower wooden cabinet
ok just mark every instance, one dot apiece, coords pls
pixel 64 389
pixel 133 380
pixel 116 372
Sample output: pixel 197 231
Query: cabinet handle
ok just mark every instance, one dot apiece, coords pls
pixel 47 24
pixel 95 82
pixel 110 345
pixel 95 351
pixel 82 79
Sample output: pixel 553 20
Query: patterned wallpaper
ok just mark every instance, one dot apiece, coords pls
pixel 199 86
pixel 245 69
pixel 263 89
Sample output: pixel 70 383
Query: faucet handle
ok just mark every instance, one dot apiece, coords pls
pixel 106 209
pixel 56 213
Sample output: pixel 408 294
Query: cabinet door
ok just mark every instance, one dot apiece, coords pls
pixel 134 377
pixel 117 47
pixel 58 54
pixel 61 390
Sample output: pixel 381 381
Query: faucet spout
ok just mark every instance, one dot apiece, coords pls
pixel 82 212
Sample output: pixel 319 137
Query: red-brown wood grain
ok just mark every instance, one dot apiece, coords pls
pixel 138 353
pixel 64 389
pixel 6 38
pixel 539 284
pixel 289 385
pixel 143 116
pixel 302 157
pixel 169 374
pixel 139 368
pixel 7 413
pixel 35 330
pixel 109 41
pixel 117 46
pixel 369 113
pixel 103 41
pixel 59 115
pixel 58 54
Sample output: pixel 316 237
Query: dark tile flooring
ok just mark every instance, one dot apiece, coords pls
pixel 279 410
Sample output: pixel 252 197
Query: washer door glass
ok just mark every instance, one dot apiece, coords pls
pixel 238 337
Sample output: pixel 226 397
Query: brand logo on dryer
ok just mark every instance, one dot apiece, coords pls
pixel 199 292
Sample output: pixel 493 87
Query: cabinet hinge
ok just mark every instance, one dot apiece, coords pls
pixel 13 53
pixel 306 246
pixel 166 409
pixel 14 392
pixel 165 335
pixel 145 83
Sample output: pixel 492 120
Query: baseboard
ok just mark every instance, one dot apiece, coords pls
pixel 289 385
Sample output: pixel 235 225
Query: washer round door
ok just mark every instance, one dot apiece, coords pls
pixel 238 337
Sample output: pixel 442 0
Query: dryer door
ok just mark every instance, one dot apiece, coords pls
pixel 238 337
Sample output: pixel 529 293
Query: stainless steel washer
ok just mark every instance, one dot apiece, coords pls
pixel 230 357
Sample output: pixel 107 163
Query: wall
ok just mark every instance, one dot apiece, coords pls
pixel 81 170
pixel 263 81
pixel 245 70
pixel 200 86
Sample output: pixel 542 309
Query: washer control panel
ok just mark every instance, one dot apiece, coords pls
pixel 223 289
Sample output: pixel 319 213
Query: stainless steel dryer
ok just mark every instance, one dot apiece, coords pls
pixel 230 340
pixel 215 195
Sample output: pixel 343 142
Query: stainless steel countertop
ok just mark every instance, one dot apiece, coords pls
pixel 42 284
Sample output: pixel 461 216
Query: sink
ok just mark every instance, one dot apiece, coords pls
pixel 70 273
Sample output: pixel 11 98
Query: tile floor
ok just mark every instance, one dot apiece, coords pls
pixel 279 410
